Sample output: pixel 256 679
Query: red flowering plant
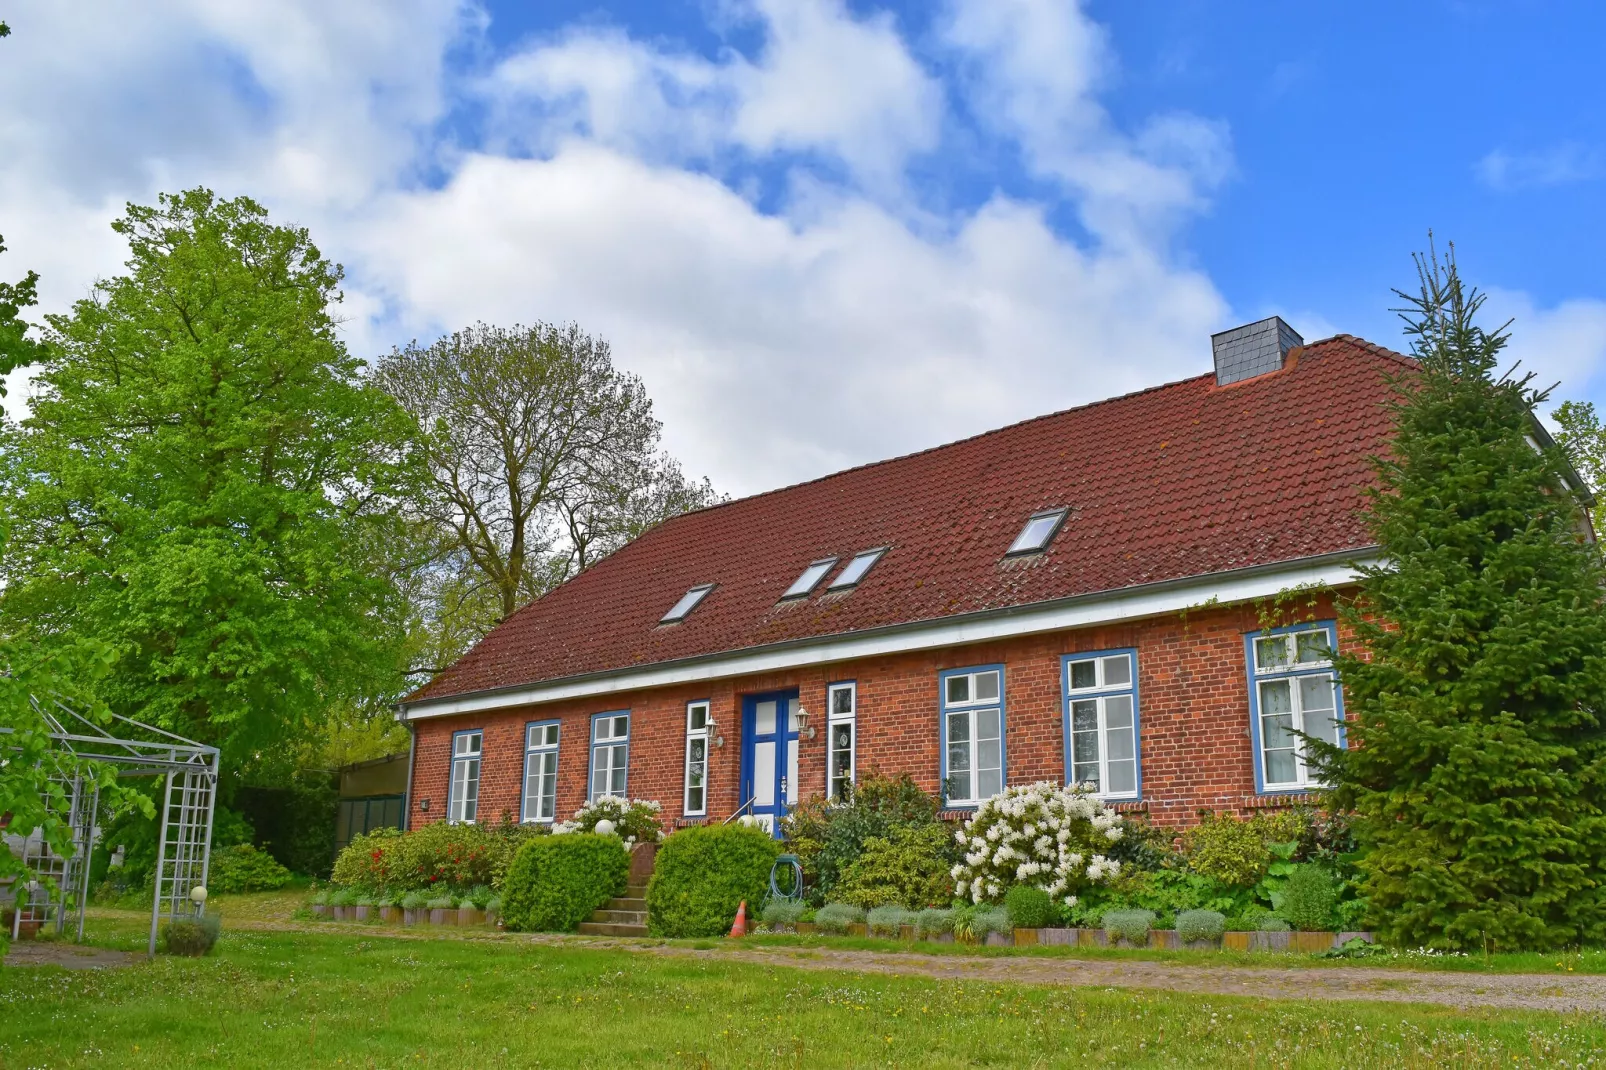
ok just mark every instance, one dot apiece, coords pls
pixel 453 858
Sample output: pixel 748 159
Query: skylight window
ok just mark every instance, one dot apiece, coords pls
pixel 687 603
pixel 1038 532
pixel 854 570
pixel 804 584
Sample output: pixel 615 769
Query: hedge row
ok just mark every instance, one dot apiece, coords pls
pixel 703 874
pixel 555 882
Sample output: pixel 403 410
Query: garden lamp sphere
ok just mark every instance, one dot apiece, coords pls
pixel 605 827
pixel 198 894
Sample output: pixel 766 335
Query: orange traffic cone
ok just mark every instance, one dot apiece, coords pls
pixel 740 928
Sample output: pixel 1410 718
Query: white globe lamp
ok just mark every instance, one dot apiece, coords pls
pixel 605 827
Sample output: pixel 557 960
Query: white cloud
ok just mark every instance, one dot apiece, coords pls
pixel 775 352
pixel 1034 67
pixel 1564 344
pixel 1558 165
pixel 824 82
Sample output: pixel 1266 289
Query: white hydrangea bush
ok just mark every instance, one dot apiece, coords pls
pixel 1040 834
pixel 634 820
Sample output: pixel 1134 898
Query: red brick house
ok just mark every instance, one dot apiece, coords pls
pixel 1071 598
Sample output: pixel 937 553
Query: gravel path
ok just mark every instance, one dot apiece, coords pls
pixel 1552 992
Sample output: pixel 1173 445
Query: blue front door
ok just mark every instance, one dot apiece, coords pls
pixel 769 755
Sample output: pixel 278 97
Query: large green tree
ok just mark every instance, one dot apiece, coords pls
pixel 542 457
pixel 1478 771
pixel 208 486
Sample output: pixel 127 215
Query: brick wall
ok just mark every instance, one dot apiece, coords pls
pixel 1193 699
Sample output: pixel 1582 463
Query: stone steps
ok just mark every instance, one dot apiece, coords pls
pixel 624 915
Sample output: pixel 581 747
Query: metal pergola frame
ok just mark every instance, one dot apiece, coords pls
pixel 184 846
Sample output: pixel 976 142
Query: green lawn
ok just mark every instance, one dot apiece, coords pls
pixel 343 998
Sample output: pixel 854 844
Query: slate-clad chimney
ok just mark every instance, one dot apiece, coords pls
pixel 1253 349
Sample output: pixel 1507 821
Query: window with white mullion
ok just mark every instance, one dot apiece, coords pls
pixel 541 772
pixel 1101 723
pixel 610 754
pixel 842 704
pixel 696 800
pixel 463 798
pixel 973 736
pixel 1296 696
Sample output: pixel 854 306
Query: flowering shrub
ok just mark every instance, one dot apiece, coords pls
pixel 453 858
pixel 634 820
pixel 1039 834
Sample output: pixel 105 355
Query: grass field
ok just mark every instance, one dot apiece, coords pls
pixel 348 998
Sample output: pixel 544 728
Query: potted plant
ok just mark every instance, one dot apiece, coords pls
pixel 363 908
pixel 468 913
pixel 1128 926
pixel 389 912
pixel 935 923
pixel 493 912
pixel 415 908
pixel 344 901
pixel 442 910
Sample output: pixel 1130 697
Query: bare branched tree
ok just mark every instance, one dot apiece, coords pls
pixel 543 457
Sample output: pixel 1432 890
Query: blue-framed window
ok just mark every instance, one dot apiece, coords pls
pixel 1293 693
pixel 695 803
pixel 1101 722
pixel 463 798
pixel 610 753
pixel 842 736
pixel 541 771
pixel 972 734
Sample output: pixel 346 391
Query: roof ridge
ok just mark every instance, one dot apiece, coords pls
pixel 940 446
pixel 1371 347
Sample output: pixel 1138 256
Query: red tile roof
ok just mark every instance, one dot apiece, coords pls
pixel 1176 481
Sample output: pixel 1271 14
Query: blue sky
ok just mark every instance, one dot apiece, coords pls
pixel 826 231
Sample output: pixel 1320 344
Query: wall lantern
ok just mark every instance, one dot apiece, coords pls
pixel 803 726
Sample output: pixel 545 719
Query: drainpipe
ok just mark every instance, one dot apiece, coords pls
pixel 412 756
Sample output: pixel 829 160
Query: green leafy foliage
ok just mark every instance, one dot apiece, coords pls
pixel 16 348
pixel 835 918
pixel 208 486
pixel 456 858
pixel 782 912
pixel 1130 925
pixel 555 882
pixel 1477 777
pixel 243 868
pixel 1029 907
pixel 909 867
pixel 973 922
pixel 703 874
pixel 934 921
pixel 1240 853
pixel 1193 925
pixel 1308 900
pixel 888 920
pixel 192 936
pixel 294 821
pixel 828 835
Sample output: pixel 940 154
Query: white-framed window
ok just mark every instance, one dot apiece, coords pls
pixel 841 735
pixel 1101 722
pixel 972 734
pixel 1293 693
pixel 463 799
pixel 541 772
pixel 696 801
pixel 610 754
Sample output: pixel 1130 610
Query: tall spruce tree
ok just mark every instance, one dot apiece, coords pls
pixel 1478 773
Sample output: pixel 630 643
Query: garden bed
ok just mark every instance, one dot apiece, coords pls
pixel 1159 939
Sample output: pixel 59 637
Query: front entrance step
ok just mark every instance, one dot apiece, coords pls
pixel 625 903
pixel 607 928
pixel 620 917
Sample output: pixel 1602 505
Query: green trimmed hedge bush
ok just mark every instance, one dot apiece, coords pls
pixel 702 875
pixel 243 868
pixel 1130 925
pixel 1029 907
pixel 555 882
pixel 1309 898
pixel 193 935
